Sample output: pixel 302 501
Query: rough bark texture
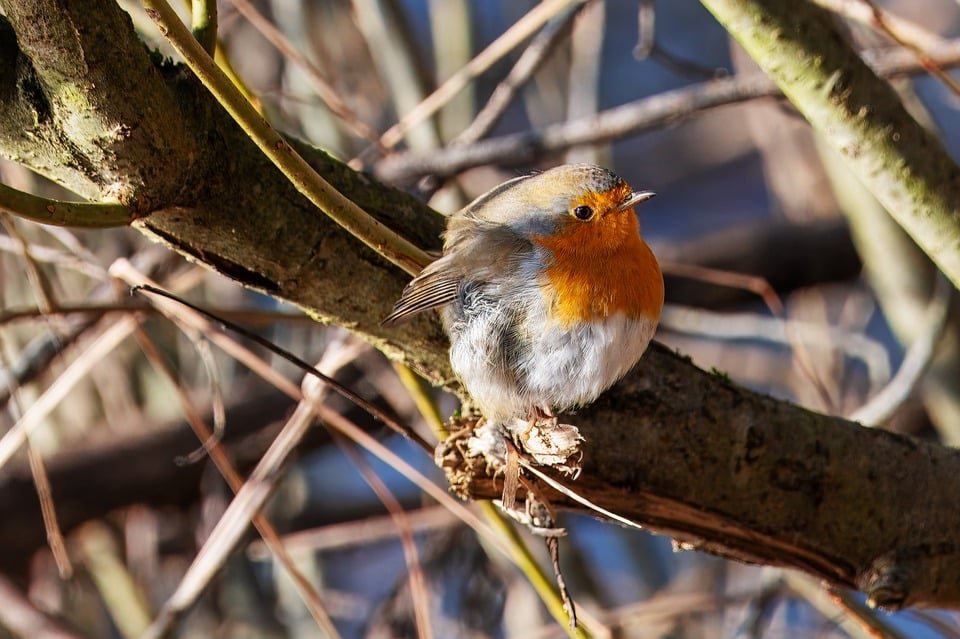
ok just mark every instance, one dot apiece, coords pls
pixel 723 469
pixel 677 449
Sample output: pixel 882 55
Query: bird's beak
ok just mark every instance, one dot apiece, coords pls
pixel 637 197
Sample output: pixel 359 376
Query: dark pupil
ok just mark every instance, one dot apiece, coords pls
pixel 583 212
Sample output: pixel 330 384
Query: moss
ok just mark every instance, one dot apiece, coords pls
pixel 162 61
pixel 723 376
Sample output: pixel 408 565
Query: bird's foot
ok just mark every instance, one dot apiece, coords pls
pixel 488 441
pixel 491 448
pixel 473 448
pixel 550 443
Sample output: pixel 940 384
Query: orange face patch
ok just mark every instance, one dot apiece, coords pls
pixel 601 266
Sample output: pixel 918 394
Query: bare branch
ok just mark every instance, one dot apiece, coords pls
pixel 722 469
pixel 901 163
pixel 633 118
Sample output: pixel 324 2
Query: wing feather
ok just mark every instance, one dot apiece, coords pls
pixel 433 288
pixel 475 249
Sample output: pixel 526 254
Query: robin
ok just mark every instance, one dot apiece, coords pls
pixel 546 289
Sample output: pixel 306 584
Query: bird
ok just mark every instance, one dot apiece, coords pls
pixel 546 289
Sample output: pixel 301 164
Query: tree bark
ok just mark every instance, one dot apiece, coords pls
pixel 685 452
pixel 720 468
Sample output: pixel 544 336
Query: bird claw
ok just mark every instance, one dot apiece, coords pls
pixel 485 448
pixel 487 441
pixel 535 515
pixel 550 443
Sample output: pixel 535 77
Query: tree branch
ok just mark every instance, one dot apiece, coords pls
pixel 633 118
pixel 723 469
pixel 682 451
pixel 60 213
pixel 902 164
pixel 107 123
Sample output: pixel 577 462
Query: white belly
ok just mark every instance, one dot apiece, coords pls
pixel 568 368
pixel 510 372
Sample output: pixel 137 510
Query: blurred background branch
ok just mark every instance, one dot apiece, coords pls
pixel 784 273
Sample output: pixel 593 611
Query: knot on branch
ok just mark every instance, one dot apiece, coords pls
pixel 478 452
pixel 886 583
pixel 453 456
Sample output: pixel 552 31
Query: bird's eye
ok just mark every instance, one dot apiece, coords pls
pixel 583 213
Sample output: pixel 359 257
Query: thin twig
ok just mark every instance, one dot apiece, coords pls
pixel 252 317
pixel 580 499
pixel 53 256
pixel 306 180
pixel 632 118
pixel 553 549
pixel 72 243
pixel 668 605
pixel 348 394
pixel 216 399
pixel 357 533
pixel 48 510
pixel 517 33
pixel 80 214
pixel 646 29
pixel 855 618
pixel 324 91
pixel 648 47
pixel 39 283
pixel 867 13
pixel 532 58
pixel 914 39
pixel 885 403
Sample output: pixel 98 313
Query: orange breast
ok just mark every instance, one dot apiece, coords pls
pixel 601 268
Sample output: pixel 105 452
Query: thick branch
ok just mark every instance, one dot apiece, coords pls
pixel 88 86
pixel 902 164
pixel 678 449
pixel 723 469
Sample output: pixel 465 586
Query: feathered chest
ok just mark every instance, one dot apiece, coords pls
pixel 584 279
